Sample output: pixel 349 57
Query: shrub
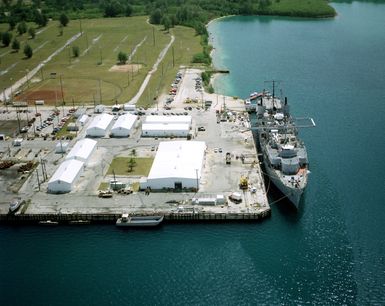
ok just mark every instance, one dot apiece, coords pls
pixel 32 32
pixel 28 52
pixel 75 51
pixel 6 38
pixel 15 45
pixel 122 58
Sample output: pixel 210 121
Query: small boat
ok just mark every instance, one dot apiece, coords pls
pixel 48 222
pixel 127 220
pixel 79 222
pixel 15 205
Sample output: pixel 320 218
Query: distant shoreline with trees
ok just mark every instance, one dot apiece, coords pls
pixel 168 13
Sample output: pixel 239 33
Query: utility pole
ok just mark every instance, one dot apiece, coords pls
pixel 100 90
pixel 26 75
pixel 61 87
pixel 38 180
pixel 5 101
pixel 173 58
pixel 153 35
pixel 18 118
pixel 86 42
pixel 41 72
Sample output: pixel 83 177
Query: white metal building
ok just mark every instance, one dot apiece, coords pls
pixel 177 165
pixel 123 126
pixel 65 176
pixel 82 150
pixel 83 119
pixel 99 125
pixel 129 107
pixel 165 129
pixel 168 119
pixel 61 147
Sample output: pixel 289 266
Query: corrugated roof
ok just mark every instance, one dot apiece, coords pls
pixel 183 159
pixel 82 149
pixel 165 127
pixel 101 121
pixel 168 119
pixel 67 171
pixel 124 122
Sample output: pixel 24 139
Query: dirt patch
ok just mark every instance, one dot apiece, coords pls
pixel 125 68
pixel 11 127
pixel 49 96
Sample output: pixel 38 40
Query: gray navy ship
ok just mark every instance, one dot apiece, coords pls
pixel 284 154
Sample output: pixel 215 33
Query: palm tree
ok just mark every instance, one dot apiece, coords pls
pixel 131 164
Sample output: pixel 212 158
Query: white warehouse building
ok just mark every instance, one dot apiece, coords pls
pixel 99 125
pixel 65 176
pixel 123 126
pixel 165 129
pixel 82 150
pixel 168 119
pixel 177 165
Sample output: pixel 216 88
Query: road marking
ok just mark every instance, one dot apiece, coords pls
pixel 122 41
pixel 135 49
pixel 9 68
pixel 94 41
pixel 31 73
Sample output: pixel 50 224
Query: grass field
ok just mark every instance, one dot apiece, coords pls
pixel 120 166
pixel 87 79
pixel 185 46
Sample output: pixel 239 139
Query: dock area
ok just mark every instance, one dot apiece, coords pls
pixel 230 158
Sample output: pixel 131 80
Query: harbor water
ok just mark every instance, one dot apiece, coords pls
pixel 329 252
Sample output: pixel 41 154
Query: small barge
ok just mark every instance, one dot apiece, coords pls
pixel 139 221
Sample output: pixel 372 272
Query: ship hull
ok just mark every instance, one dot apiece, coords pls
pixel 293 194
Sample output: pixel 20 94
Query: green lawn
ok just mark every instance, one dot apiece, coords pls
pixel 186 44
pixel 88 78
pixel 120 166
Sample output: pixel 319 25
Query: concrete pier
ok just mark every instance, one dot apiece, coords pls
pixel 222 124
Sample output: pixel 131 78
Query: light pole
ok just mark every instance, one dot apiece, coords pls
pixel 26 75
pixel 61 88
pixel 196 171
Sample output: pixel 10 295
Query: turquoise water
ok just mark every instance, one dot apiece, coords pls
pixel 330 252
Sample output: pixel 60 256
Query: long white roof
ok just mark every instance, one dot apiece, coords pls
pixel 165 127
pixel 178 159
pixel 124 122
pixel 101 121
pixel 82 149
pixel 67 171
pixel 168 119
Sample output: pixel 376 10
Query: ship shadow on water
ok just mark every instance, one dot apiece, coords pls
pixel 283 205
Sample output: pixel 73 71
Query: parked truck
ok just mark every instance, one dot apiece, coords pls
pixel 228 158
